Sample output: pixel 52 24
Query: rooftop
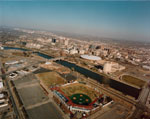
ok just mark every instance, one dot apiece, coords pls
pixel 90 57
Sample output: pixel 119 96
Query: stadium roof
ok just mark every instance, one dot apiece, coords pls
pixel 90 57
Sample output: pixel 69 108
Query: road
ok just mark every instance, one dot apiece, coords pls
pixel 10 93
pixel 8 85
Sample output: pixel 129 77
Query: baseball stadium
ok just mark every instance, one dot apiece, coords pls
pixel 77 97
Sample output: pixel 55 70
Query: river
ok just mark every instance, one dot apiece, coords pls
pixel 124 88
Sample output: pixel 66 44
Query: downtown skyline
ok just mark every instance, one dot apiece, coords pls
pixel 121 20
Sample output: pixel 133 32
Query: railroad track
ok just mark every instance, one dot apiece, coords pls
pixel 121 96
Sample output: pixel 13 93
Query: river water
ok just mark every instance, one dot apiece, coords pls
pixel 124 88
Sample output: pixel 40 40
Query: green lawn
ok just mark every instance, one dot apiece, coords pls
pixel 78 88
pixel 80 99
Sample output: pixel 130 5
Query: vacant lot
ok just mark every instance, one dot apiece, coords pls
pixel 76 88
pixel 50 78
pixel 133 81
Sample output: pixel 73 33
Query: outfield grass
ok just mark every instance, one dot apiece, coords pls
pixel 78 88
pixel 50 78
pixel 80 99
pixel 133 81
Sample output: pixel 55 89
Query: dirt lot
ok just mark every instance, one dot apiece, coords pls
pixel 50 78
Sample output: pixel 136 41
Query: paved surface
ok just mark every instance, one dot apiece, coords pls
pixel 25 79
pixel 37 104
pixel 32 95
pixel 46 111
pixel 10 93
pixel 112 111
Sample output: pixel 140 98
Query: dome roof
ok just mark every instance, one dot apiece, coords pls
pixel 90 57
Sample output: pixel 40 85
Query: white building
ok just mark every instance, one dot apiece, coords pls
pixel 81 52
pixel 50 39
pixel 73 51
pixel 1 47
pixel 91 57
pixel 11 62
pixel 33 45
pixel 111 67
pixel 66 42
pixel 146 67
pixel 1 85
pixel 107 68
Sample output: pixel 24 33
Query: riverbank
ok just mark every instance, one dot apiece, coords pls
pixel 119 86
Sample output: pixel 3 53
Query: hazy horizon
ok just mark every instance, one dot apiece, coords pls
pixel 121 20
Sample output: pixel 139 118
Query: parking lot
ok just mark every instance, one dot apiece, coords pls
pixel 46 111
pixel 32 95
pixel 37 104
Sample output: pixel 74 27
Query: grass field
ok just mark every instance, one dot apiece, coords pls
pixel 132 80
pixel 80 99
pixel 78 88
pixel 50 78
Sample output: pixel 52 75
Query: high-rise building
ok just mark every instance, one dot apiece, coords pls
pixel 53 40
pixel 107 68
pixel 66 42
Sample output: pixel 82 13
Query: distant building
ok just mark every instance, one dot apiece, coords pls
pixel 98 47
pixel 92 47
pixel 146 67
pixel 73 51
pixel 49 40
pixel 111 67
pixel 81 52
pixel 1 85
pixel 33 45
pixel 2 48
pixel 107 68
pixel 66 42
pixel 40 39
pixel 23 43
pixel 53 40
pixel 12 62
pixel 90 57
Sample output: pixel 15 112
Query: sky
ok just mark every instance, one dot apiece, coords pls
pixel 113 19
